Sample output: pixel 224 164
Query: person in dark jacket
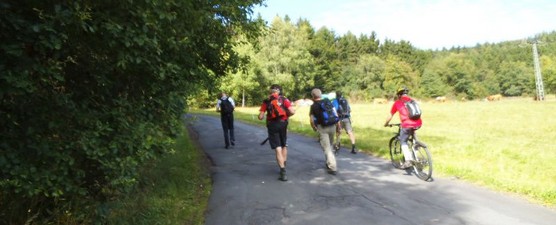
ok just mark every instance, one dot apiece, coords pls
pixel 226 105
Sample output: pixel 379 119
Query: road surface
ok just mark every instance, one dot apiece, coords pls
pixel 366 190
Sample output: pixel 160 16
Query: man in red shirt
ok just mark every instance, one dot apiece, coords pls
pixel 408 126
pixel 277 109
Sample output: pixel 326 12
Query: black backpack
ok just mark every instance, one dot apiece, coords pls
pixel 413 109
pixel 328 115
pixel 226 106
pixel 343 107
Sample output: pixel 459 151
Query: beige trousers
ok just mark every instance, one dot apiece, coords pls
pixel 326 138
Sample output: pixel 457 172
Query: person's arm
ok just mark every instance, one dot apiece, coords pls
pixel 338 124
pixel 392 112
pixel 232 101
pixel 218 105
pixel 290 108
pixel 262 110
pixel 388 119
pixel 312 119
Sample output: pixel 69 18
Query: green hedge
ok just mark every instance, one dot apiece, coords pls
pixel 90 90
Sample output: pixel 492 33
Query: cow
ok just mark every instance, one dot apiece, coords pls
pixel 380 101
pixel 496 97
pixel 441 98
pixel 303 102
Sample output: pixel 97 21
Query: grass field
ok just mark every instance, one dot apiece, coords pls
pixel 504 145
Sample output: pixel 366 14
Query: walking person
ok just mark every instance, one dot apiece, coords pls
pixel 226 105
pixel 344 112
pixel 277 109
pixel 408 125
pixel 324 119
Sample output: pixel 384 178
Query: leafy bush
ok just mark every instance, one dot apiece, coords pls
pixel 90 90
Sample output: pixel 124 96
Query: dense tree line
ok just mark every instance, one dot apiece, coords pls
pixel 299 57
pixel 92 90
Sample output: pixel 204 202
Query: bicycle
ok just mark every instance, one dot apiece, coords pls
pixel 422 166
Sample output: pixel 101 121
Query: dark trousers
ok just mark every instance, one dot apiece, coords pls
pixel 228 127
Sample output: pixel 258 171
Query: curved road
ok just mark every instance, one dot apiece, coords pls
pixel 367 190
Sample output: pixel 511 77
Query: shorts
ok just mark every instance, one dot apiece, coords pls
pixel 346 124
pixel 277 133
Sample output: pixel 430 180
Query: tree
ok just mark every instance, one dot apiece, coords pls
pixel 284 58
pixel 91 90
pixel 366 79
pixel 368 44
pixel 549 73
pixel 432 84
pixel 399 74
pixel 243 82
pixel 322 48
pixel 516 79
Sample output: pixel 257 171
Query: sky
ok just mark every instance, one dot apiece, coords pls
pixel 426 24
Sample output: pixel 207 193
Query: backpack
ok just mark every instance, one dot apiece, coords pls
pixel 328 116
pixel 343 107
pixel 413 109
pixel 275 108
pixel 226 106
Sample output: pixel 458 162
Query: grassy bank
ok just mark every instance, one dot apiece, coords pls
pixel 173 191
pixel 504 145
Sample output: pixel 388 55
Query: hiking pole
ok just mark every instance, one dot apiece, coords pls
pixel 264 142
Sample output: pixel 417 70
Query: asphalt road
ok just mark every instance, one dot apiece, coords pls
pixel 367 190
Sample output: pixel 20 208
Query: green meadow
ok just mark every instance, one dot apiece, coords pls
pixel 503 145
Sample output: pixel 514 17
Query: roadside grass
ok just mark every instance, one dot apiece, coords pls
pixel 174 190
pixel 504 145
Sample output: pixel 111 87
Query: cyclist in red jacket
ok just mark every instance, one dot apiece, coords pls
pixel 408 125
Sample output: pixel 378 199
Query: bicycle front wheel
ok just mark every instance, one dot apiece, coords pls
pixel 396 154
pixel 423 161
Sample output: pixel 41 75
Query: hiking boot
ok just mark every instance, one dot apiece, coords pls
pixel 353 151
pixel 283 176
pixel 227 146
pixel 233 142
pixel 332 172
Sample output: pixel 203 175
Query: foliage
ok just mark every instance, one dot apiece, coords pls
pixel 364 68
pixel 172 190
pixel 549 73
pixel 90 90
pixel 284 58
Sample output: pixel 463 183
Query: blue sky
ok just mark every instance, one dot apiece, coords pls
pixel 427 24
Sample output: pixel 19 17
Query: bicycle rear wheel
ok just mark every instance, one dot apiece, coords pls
pixel 423 163
pixel 396 154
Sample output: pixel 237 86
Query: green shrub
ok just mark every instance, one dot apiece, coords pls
pixel 91 90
